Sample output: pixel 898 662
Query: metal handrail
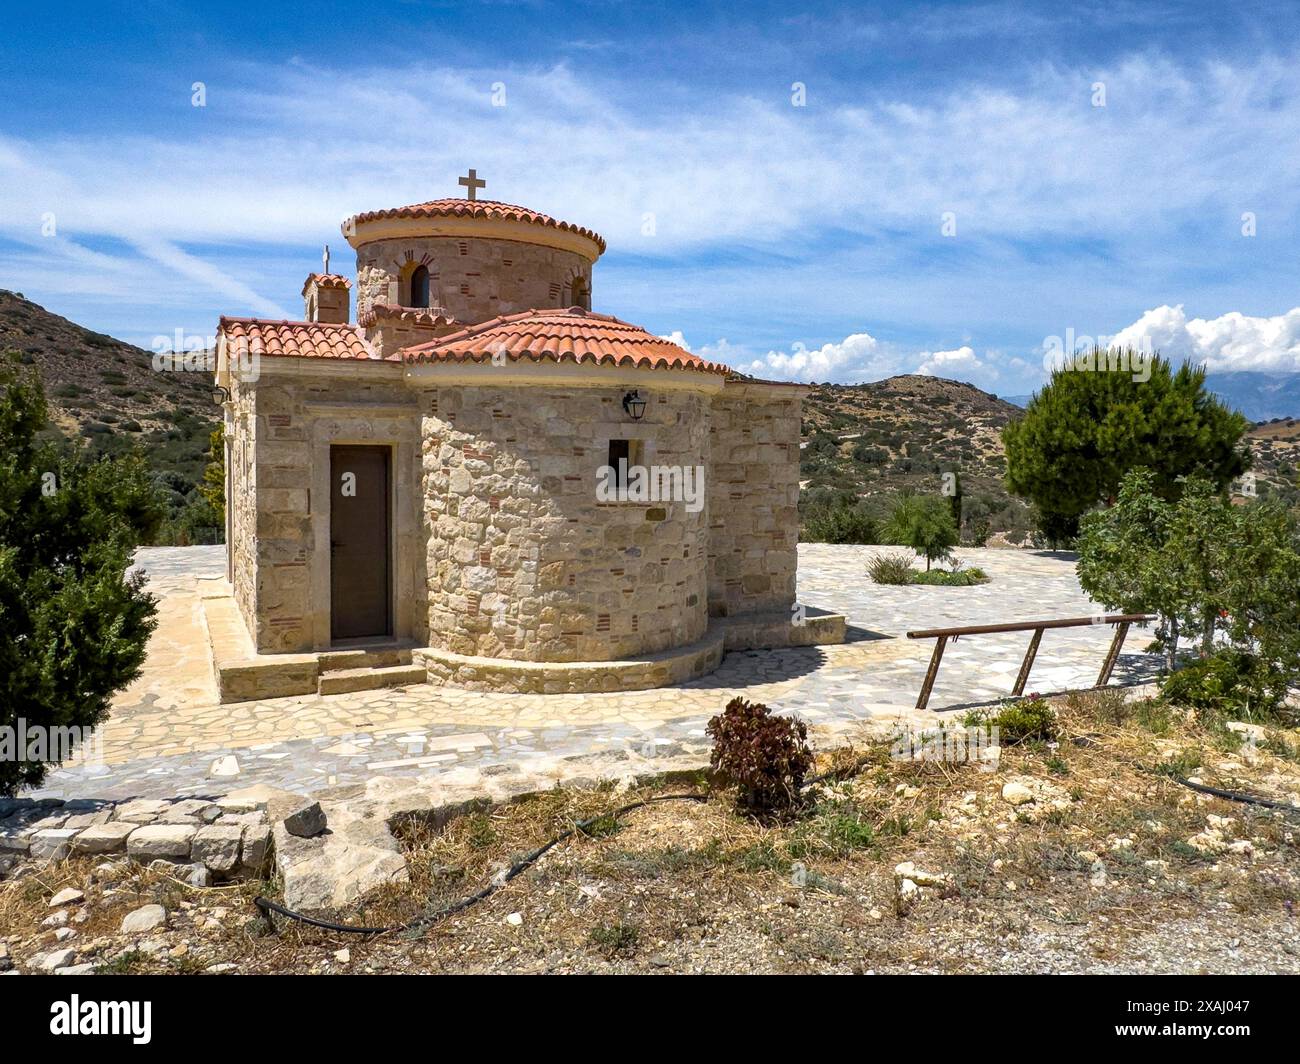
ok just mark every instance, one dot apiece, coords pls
pixel 1120 620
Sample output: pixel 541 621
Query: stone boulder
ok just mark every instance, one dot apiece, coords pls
pixel 104 838
pixel 335 869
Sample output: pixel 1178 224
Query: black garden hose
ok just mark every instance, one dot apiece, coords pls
pixel 421 922
pixel 1236 796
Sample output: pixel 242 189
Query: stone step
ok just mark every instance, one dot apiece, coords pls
pixel 339 681
pixel 339 660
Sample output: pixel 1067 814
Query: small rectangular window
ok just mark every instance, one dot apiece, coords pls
pixel 620 457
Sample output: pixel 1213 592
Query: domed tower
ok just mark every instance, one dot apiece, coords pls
pixel 487 476
pixel 430 269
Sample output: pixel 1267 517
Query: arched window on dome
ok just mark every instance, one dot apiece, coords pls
pixel 420 287
pixel 580 293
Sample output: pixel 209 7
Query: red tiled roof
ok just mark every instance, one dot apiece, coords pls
pixel 412 315
pixel 326 280
pixel 572 335
pixel 304 339
pixel 464 208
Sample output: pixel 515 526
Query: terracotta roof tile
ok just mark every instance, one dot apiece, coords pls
pixel 302 339
pixel 413 315
pixel 572 335
pixel 326 280
pixel 464 208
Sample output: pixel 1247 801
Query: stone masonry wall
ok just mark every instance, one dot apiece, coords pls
pixel 241 502
pixel 281 585
pixel 523 561
pixel 472 279
pixel 753 499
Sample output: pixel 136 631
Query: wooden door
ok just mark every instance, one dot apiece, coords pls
pixel 360 585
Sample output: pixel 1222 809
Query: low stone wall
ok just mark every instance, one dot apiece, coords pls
pixel 229 837
pixel 579 677
pixel 770 631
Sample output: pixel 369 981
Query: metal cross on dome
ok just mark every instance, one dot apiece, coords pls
pixel 472 182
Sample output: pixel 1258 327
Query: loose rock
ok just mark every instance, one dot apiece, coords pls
pixel 307 821
pixel 59 958
pixel 146 918
pixel 225 766
pixel 1016 793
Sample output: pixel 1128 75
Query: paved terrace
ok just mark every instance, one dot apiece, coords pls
pixel 168 732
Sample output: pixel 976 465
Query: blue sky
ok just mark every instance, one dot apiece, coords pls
pixel 806 242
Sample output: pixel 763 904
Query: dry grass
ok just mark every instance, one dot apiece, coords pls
pixel 686 886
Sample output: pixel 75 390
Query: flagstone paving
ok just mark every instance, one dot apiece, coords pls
pixel 169 736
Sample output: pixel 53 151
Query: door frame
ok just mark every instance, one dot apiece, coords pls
pixel 390 454
pixel 366 423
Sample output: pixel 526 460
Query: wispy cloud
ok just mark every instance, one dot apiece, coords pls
pixel 822 221
pixel 1038 160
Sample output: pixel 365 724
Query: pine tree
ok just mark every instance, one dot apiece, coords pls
pixel 73 625
pixel 1088 427
pixel 925 524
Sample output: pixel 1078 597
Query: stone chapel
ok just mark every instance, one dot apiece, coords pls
pixel 480 481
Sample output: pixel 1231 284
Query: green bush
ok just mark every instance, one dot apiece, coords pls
pixel 766 757
pixel 953 578
pixel 1228 682
pixel 841 519
pixel 1029 718
pixel 891 569
pixel 1212 570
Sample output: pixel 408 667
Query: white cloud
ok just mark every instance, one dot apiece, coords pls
pixel 856 357
pixel 1233 341
pixel 209 276
pixel 948 363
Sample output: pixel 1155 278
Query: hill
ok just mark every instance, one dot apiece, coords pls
pixel 876 440
pixel 904 433
pixel 871 441
pixel 1276 448
pixel 1260 396
pixel 108 394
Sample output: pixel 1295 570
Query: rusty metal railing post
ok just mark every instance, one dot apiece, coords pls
pixel 931 672
pixel 1023 676
pixel 1112 655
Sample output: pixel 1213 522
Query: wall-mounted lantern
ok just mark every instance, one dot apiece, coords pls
pixel 634 405
pixel 220 395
